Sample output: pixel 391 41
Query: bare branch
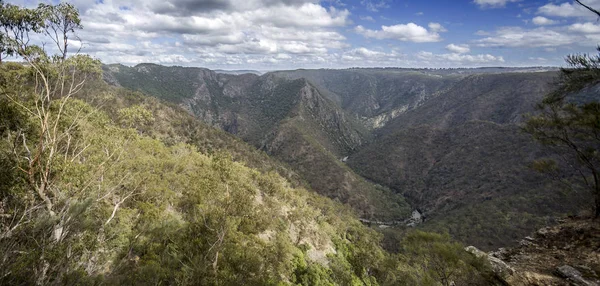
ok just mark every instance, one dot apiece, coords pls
pixel 117 205
pixel 589 8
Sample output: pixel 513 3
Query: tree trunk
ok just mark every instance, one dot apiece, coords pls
pixel 596 193
pixel 597 205
pixel 65 38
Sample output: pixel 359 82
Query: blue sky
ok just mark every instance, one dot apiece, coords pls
pixel 289 34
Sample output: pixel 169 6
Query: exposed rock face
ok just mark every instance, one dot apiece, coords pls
pixel 376 95
pixel 501 269
pixel 415 218
pixel 566 254
pixel 288 118
pixel 109 77
pixel 573 275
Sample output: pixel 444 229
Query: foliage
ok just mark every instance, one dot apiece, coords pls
pixel 154 213
pixel 442 260
pixel 570 123
pixel 59 21
pixel 471 180
pixel 135 117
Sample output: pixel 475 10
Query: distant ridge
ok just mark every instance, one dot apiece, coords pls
pixel 239 72
pixel 440 71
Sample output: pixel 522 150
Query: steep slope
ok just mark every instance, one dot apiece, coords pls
pixel 462 159
pixel 500 98
pixel 289 119
pixel 171 124
pixel 245 105
pixel 129 209
pixel 313 139
pixel 376 96
pixel 210 96
pixel 435 128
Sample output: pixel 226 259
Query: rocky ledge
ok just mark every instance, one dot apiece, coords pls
pixel 564 254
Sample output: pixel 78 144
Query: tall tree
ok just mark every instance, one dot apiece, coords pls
pixel 42 90
pixel 569 122
pixel 59 22
pixel 56 79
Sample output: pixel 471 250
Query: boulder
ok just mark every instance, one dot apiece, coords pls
pixel 500 268
pixel 573 275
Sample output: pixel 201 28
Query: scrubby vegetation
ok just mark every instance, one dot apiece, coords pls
pixel 128 209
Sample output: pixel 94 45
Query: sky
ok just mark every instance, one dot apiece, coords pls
pixel 290 34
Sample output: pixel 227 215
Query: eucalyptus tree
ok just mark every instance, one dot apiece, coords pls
pixel 40 90
pixel 569 122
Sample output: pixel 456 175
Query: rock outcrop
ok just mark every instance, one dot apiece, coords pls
pixel 565 254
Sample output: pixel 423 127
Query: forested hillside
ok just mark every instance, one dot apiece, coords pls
pixel 289 119
pixel 463 159
pixel 128 208
pixel 447 141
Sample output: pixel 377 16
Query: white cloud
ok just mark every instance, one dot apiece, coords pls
pixel 568 9
pixel 371 58
pixel 459 59
pixel 585 28
pixel 212 32
pixel 170 24
pixel 458 49
pixel 538 59
pixel 437 27
pixel 367 18
pixel 578 34
pixel 362 54
pixel 542 21
pixel 170 59
pixel 214 40
pixel 493 3
pixel 375 5
pixel 519 37
pixel 410 32
pixel 271 34
pixel 367 57
pixel 307 15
